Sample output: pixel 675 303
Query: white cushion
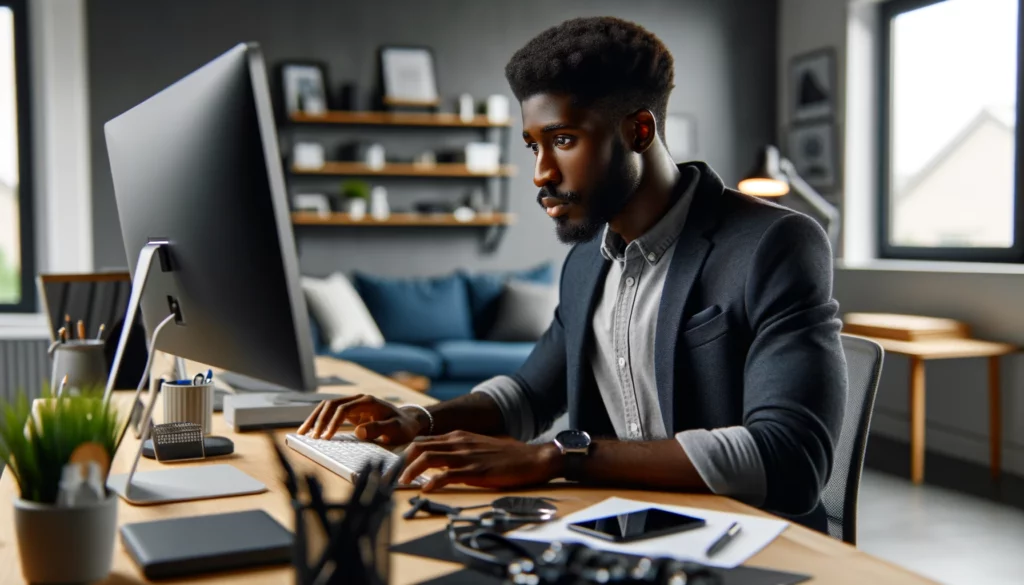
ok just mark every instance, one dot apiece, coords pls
pixel 341 313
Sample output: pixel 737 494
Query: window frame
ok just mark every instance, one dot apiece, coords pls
pixel 26 185
pixel 888 11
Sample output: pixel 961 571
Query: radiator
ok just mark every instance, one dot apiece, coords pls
pixel 24 366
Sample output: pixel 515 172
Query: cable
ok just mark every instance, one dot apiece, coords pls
pixel 142 383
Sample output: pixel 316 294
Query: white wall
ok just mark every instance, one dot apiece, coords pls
pixel 990 298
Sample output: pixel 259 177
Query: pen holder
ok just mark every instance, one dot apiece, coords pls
pixel 83 361
pixel 185 402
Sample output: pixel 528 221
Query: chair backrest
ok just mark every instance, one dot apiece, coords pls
pixel 864 367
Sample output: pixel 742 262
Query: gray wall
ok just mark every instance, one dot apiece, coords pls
pixel 725 77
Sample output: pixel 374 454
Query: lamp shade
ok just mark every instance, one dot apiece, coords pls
pixel 766 178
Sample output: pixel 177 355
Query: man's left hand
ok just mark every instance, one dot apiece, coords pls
pixel 481 461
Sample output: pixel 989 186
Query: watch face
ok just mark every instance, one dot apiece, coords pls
pixel 573 439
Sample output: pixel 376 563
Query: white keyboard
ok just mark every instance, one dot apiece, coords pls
pixel 345 455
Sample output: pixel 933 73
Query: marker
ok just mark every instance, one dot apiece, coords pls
pixel 724 540
pixel 99 334
pixel 63 383
pixel 81 330
pixel 62 333
pixel 67 322
pixel 209 376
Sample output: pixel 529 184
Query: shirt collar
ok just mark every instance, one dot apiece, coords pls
pixel 657 240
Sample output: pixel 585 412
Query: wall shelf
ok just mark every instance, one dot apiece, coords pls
pixel 401 170
pixel 402 220
pixel 395 119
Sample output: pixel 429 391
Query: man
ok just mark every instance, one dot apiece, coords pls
pixel 696 339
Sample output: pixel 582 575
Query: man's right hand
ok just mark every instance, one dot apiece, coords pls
pixel 374 420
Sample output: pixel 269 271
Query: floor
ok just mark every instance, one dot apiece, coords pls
pixel 949 536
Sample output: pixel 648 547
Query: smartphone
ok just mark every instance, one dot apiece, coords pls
pixel 637 525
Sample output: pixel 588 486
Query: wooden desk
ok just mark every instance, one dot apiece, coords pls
pixel 941 349
pixel 797 549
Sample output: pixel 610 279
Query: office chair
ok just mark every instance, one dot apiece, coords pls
pixel 96 298
pixel 864 366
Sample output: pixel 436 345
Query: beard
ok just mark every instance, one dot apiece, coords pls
pixel 607 200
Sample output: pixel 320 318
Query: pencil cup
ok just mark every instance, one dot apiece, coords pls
pixel 83 361
pixel 190 403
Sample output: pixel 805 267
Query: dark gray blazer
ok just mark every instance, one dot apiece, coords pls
pixel 747 335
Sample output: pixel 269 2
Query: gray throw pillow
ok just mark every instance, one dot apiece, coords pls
pixel 525 311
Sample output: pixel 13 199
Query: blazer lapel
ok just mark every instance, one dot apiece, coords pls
pixel 594 268
pixel 691 251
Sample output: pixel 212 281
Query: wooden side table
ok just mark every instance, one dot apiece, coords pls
pixel 940 349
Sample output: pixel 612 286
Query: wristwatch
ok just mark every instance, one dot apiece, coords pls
pixel 575 446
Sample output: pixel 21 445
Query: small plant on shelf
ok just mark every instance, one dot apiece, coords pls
pixel 356 198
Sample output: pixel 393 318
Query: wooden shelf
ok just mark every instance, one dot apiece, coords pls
pixel 402 220
pixel 395 119
pixel 401 170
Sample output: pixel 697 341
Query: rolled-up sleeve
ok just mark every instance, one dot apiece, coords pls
pixel 514 406
pixel 728 461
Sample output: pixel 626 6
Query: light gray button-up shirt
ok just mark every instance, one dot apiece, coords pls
pixel 622 357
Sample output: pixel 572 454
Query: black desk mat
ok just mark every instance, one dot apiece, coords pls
pixel 436 546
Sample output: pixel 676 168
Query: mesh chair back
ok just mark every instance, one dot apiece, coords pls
pixel 864 365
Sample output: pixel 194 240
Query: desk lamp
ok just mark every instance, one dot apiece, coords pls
pixel 774 175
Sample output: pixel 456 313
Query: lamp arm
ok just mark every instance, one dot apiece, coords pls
pixel 811 196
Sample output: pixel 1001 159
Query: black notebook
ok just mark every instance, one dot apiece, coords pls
pixel 205 544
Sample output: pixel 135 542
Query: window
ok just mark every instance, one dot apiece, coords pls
pixel 17 290
pixel 949 166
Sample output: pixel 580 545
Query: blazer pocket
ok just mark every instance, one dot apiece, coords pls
pixel 705 326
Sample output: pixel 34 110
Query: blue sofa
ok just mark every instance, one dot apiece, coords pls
pixel 437 327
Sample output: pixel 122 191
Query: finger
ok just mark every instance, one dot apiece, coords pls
pixel 418 448
pixel 470 474
pixel 332 425
pixel 327 411
pixel 308 424
pixel 385 430
pixel 432 460
pixel 368 407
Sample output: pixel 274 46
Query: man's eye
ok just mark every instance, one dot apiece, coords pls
pixel 563 140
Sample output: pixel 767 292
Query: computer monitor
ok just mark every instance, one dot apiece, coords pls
pixel 200 187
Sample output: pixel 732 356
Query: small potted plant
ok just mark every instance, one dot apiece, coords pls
pixel 356 195
pixel 51 446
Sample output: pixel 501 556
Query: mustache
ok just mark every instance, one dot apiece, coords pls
pixel 549 191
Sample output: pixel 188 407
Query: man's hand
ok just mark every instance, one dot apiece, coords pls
pixel 374 419
pixel 481 461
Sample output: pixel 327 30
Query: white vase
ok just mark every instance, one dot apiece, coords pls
pixel 379 208
pixel 357 208
pixel 66 545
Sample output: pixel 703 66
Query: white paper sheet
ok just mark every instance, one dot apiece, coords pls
pixel 756 533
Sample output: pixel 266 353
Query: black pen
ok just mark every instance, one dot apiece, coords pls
pixel 724 540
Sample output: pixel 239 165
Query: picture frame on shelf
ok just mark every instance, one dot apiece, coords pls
pixel 304 87
pixel 681 136
pixel 812 85
pixel 813 148
pixel 408 77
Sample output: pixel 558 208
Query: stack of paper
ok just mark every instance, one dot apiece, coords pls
pixel 756 533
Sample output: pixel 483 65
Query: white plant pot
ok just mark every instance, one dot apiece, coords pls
pixel 357 209
pixel 66 545
pixel 379 208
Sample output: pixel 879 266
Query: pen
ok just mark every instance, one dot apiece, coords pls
pixel 99 334
pixel 81 330
pixel 724 540
pixel 62 333
pixel 67 323
pixel 63 384
pixel 209 376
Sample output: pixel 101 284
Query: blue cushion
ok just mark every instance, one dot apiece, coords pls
pixel 479 360
pixel 485 292
pixel 318 339
pixel 396 357
pixel 417 310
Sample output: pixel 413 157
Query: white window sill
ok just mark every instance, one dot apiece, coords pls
pixel 878 264
pixel 23 326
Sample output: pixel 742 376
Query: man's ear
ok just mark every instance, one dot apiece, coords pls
pixel 641 130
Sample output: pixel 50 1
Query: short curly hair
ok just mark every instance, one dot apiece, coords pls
pixel 603 62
